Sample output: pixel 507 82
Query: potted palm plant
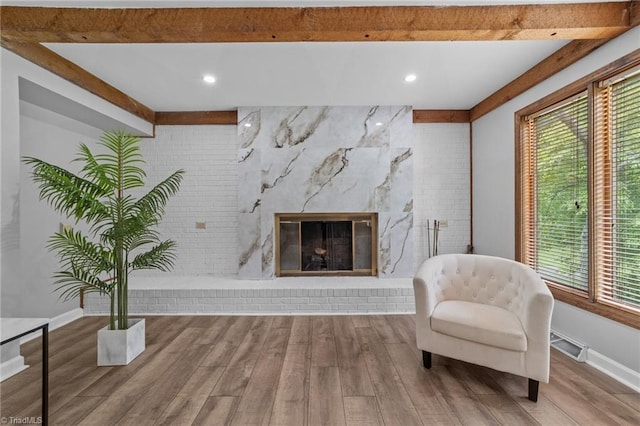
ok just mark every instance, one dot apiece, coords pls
pixel 121 235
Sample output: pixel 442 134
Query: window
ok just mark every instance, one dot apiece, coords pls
pixel 557 193
pixel 617 173
pixel 578 191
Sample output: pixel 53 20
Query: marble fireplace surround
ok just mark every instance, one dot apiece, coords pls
pixel 325 160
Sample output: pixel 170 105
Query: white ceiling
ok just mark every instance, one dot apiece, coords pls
pixel 168 77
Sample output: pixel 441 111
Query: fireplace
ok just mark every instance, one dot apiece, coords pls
pixel 327 244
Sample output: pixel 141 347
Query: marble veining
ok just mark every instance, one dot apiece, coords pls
pixel 267 254
pixel 325 159
pixel 384 250
pixel 381 194
pixel 243 156
pixel 288 169
pixel 255 206
pixel 406 223
pixel 249 128
pixel 375 129
pixel 251 243
pixel 397 161
pixel 297 127
pixel 322 175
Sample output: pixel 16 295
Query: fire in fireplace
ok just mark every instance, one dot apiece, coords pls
pixel 326 244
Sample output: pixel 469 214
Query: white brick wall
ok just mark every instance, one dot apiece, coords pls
pixel 441 186
pixel 301 300
pixel 208 193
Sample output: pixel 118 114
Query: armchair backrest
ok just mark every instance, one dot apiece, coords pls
pixel 481 279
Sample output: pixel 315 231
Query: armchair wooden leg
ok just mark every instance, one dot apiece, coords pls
pixel 426 359
pixel 533 390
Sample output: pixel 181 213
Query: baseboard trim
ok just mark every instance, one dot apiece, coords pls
pixel 66 318
pixel 12 367
pixel 614 369
pixel 57 322
pixel 16 364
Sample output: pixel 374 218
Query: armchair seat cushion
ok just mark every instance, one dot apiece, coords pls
pixel 476 322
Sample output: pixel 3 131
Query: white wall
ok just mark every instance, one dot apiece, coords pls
pixel 494 199
pixel 493 184
pixel 52 138
pixel 24 264
pixel 442 187
pixel 208 192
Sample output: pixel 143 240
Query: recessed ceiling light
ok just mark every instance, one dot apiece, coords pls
pixel 410 77
pixel 378 124
pixel 247 124
pixel 208 78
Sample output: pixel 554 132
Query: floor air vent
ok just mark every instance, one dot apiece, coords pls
pixel 569 347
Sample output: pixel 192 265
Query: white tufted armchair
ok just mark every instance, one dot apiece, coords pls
pixel 484 310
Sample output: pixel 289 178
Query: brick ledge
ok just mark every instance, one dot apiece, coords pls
pixel 205 295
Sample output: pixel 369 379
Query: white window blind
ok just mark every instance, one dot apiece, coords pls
pixel 556 193
pixel 617 190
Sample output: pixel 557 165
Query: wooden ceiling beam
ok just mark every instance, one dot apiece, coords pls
pixel 191 118
pixel 66 69
pixel 441 116
pixel 23 28
pixel 634 12
pixel 560 59
pixel 375 23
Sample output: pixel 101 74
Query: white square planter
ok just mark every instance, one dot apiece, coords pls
pixel 120 347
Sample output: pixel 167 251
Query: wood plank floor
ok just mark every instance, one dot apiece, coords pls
pixel 340 370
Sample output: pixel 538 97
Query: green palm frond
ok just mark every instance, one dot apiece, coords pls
pixel 76 251
pixel 68 193
pixel 122 162
pixel 141 239
pixel 119 222
pixel 150 237
pixel 160 257
pixel 156 199
pixel 93 170
pixel 74 281
pixel 131 229
pixel 119 208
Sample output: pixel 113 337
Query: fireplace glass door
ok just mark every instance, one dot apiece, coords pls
pixel 326 244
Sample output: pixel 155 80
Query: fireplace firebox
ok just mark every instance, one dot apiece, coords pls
pixel 326 244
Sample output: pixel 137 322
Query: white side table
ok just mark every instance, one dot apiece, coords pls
pixel 15 328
